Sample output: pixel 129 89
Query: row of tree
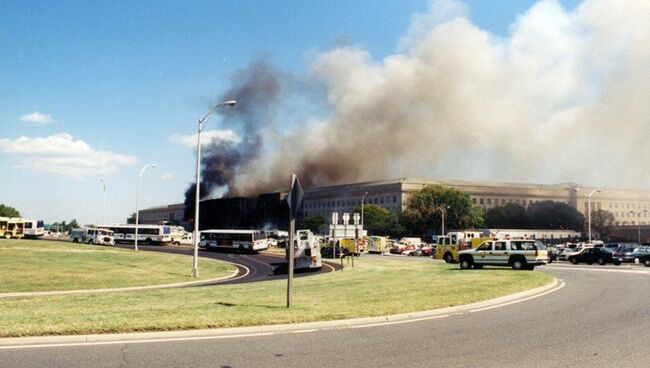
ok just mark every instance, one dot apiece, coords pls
pixel 6 211
pixel 424 211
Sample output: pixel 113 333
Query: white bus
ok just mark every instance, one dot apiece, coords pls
pixel 34 228
pixel 306 251
pixel 242 240
pixel 147 234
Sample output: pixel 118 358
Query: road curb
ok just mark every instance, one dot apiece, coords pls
pixel 144 337
pixel 132 288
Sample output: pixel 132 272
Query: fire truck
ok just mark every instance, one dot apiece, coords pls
pixel 448 246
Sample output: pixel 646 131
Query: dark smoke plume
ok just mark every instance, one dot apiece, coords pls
pixel 256 89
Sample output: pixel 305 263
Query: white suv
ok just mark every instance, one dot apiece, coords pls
pixel 518 254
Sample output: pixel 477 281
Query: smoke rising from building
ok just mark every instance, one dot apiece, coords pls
pixel 562 98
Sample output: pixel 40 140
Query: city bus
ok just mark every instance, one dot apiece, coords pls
pixel 34 228
pixel 12 227
pixel 242 240
pixel 306 251
pixel 147 234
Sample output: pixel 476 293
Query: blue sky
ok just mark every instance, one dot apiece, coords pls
pixel 116 80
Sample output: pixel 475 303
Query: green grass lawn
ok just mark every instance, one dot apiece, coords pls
pixel 375 286
pixel 38 265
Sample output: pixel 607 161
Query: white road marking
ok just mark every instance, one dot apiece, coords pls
pixel 562 283
pixel 584 268
pixel 399 322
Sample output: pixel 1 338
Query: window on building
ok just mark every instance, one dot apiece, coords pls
pixel 489 201
pixel 481 200
pixel 474 200
pixel 503 201
pixel 394 199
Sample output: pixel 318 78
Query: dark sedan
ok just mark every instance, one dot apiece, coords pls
pixel 645 259
pixel 593 255
pixel 631 254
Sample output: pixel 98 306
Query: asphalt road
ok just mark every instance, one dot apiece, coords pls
pixel 251 267
pixel 598 319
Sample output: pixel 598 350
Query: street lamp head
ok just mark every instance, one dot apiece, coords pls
pixel 229 103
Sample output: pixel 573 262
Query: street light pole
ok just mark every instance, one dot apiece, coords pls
pixel 103 202
pixel 588 208
pixel 443 211
pixel 200 126
pixel 638 222
pixel 363 201
pixel 137 202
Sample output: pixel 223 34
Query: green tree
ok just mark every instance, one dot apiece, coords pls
pixel 424 207
pixel 508 216
pixel 603 222
pixel 73 225
pixel 380 221
pixel 555 215
pixel 64 226
pixel 313 223
pixel 131 219
pixel 6 211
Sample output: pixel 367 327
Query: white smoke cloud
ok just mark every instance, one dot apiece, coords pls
pixel 562 98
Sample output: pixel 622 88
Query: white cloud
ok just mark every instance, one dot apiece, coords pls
pixel 206 137
pixel 61 154
pixel 37 117
pixel 168 176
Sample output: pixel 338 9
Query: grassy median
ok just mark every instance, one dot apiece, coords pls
pixel 38 265
pixel 375 286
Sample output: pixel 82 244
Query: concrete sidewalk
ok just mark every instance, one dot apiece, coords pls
pixel 147 337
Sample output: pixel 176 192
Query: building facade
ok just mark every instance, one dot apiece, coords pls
pixel 629 207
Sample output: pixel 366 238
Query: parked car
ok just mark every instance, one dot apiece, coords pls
pixel 565 252
pixel 645 259
pixel 593 255
pixel 631 254
pixel 400 248
pixel 427 251
pixel 552 254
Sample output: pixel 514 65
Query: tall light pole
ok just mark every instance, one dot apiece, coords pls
pixel 443 211
pixel 103 202
pixel 638 222
pixel 200 126
pixel 137 202
pixel 363 201
pixel 588 208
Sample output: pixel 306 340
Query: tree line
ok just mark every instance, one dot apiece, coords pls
pixel 424 211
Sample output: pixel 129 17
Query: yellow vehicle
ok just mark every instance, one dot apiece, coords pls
pixel 12 227
pixel 3 226
pixel 349 246
pixel 377 244
pixel 448 246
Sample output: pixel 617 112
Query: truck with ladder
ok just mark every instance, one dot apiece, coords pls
pixel 448 246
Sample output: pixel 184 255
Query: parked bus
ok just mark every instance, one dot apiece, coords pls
pixel 12 227
pixel 242 240
pixel 306 251
pixel 34 228
pixel 147 234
